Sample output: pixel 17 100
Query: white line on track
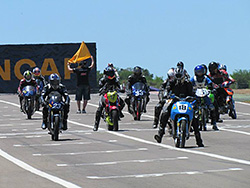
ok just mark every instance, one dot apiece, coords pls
pixel 55 144
pixel 90 152
pixel 163 174
pixel 121 162
pixel 6 125
pixel 40 173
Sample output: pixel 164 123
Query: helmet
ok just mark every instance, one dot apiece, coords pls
pixel 180 64
pixel 223 67
pixel 205 69
pixel 36 71
pixel 199 71
pixel 212 66
pixel 137 71
pixel 27 75
pixel 54 80
pixel 110 65
pixel 179 74
pixel 170 74
pixel 109 72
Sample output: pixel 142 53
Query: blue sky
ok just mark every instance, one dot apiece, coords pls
pixel 154 34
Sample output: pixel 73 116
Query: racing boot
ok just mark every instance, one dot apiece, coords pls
pixel 96 125
pixel 158 137
pixel 65 125
pixel 214 126
pixel 199 140
pixel 44 125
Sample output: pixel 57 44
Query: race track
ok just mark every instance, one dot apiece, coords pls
pixel 127 158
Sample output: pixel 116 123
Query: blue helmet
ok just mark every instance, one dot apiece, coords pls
pixel 199 71
pixel 54 80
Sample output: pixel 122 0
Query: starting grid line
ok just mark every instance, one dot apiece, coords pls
pixel 163 174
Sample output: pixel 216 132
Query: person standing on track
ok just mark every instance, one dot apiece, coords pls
pixel 83 87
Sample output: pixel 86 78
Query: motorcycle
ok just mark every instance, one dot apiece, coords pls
pixel 138 100
pixel 38 94
pixel 181 118
pixel 202 109
pixel 56 114
pixel 28 104
pixel 111 112
pixel 226 104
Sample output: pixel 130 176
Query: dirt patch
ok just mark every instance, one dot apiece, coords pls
pixel 242 91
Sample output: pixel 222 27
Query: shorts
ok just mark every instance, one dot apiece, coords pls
pixel 82 91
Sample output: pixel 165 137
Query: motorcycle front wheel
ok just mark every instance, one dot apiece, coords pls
pixel 55 135
pixel 115 118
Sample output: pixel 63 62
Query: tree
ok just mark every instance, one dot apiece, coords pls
pixel 242 78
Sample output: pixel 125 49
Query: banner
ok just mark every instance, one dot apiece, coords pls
pixel 50 58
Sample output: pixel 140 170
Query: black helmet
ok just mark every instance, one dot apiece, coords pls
pixel 205 68
pixel 137 71
pixel 212 66
pixel 109 72
pixel 179 74
pixel 180 64
pixel 54 80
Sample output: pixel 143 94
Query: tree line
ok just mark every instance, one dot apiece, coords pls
pixel 242 77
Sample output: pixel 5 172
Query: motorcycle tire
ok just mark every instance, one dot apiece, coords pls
pixel 29 110
pixel 115 118
pixel 183 133
pixel 138 110
pixel 55 135
pixel 233 114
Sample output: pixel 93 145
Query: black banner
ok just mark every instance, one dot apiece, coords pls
pixel 50 58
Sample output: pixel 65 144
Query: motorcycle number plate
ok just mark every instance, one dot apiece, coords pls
pixel 182 108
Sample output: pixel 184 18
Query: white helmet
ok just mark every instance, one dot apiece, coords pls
pixel 170 74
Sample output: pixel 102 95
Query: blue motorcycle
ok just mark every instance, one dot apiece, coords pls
pixel 138 99
pixel 28 106
pixel 181 118
pixel 56 113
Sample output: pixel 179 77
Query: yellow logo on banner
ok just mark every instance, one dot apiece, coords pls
pixel 5 71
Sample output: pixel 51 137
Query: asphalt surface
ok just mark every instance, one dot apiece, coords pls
pixel 127 158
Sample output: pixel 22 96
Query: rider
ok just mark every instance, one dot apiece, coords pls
pixel 223 69
pixel 200 80
pixel 116 73
pixel 180 65
pixel 132 79
pixel 27 80
pixel 55 85
pixel 162 97
pixel 180 87
pixel 37 76
pixel 218 77
pixel 109 80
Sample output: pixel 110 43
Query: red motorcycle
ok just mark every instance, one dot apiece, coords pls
pixel 226 103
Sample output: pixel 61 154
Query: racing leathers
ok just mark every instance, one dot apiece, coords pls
pixel 22 84
pixel 132 79
pixel 45 96
pixel 219 77
pixel 181 89
pixel 105 84
pixel 205 82
pixel 162 95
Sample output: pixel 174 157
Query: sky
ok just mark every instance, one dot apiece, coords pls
pixel 153 34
